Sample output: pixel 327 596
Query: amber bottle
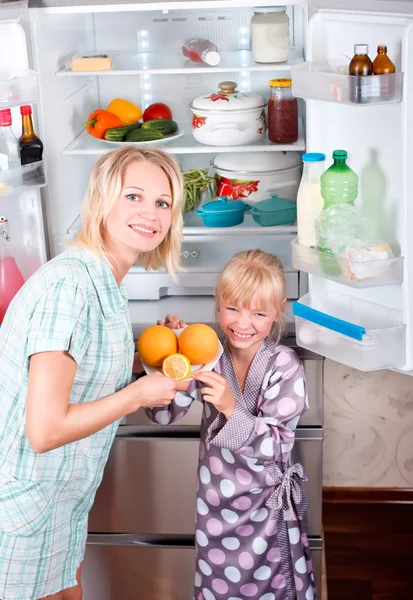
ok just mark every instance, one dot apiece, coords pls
pixel 382 63
pixel 31 147
pixel 360 67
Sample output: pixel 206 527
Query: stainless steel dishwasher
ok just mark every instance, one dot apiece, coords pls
pixel 142 524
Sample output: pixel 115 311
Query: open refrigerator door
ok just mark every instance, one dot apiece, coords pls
pixel 20 201
pixel 361 319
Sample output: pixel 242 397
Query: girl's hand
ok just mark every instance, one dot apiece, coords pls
pixel 172 322
pixel 218 392
pixel 154 391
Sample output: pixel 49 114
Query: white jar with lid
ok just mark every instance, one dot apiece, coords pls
pixel 270 33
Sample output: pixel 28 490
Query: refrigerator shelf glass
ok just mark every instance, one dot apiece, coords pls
pixel 327 80
pixel 177 63
pixel 18 87
pixel 356 332
pixel 87 144
pixel 17 180
pixel 351 273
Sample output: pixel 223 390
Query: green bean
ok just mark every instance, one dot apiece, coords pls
pixel 195 181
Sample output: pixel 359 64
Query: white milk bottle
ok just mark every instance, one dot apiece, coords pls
pixel 310 203
pixel 270 37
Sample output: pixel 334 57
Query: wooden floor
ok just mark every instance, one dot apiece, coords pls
pixel 369 550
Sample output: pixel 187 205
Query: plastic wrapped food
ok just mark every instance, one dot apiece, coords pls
pixel 337 226
pixel 366 258
pixel 90 62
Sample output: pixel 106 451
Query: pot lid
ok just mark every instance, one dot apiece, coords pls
pixel 257 162
pixel 221 206
pixel 229 98
pixel 273 204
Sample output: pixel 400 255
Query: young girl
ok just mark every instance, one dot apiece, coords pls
pixel 66 354
pixel 249 504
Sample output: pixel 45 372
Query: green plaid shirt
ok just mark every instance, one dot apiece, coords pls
pixel 72 303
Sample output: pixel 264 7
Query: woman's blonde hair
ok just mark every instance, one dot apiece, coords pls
pixel 104 188
pixel 254 275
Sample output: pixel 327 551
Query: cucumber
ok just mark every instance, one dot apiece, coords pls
pixel 164 125
pixel 118 134
pixel 144 135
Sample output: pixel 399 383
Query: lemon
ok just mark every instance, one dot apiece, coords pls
pixel 176 366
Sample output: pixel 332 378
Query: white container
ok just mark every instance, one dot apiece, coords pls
pixel 228 117
pixel 328 80
pixel 374 273
pixel 382 344
pixel 310 203
pixel 270 34
pixel 253 177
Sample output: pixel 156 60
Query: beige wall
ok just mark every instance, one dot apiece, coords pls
pixel 368 428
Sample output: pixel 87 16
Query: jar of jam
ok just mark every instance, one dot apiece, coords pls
pixel 282 113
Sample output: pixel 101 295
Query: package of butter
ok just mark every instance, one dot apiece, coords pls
pixel 362 259
pixel 90 62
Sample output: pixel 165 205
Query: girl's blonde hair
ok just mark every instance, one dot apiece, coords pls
pixel 104 188
pixel 254 275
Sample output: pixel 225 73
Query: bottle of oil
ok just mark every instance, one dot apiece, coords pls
pixel 31 146
pixel 360 67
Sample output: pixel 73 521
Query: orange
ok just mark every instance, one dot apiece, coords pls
pixel 176 366
pixel 199 343
pixel 156 343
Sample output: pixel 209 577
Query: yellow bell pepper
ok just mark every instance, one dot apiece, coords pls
pixel 127 112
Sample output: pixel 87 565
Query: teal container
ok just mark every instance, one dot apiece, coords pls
pixel 339 183
pixel 274 211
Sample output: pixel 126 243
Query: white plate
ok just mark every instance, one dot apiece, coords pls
pixel 168 138
pixel 194 368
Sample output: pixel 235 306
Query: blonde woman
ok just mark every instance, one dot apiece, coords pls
pixel 250 540
pixel 66 357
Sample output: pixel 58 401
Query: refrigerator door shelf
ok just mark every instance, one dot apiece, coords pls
pixel 354 274
pixel 328 80
pixel 18 87
pixel 18 180
pixel 350 330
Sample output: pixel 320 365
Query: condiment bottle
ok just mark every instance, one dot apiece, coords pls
pixel 282 113
pixel 360 67
pixel 382 63
pixel 9 146
pixel 200 50
pixel 31 147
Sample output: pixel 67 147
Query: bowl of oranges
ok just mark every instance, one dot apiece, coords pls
pixel 179 352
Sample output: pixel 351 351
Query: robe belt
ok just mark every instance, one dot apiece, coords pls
pixel 288 495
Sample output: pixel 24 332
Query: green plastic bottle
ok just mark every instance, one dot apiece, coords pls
pixel 338 185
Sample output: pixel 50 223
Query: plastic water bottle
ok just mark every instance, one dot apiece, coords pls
pixel 9 145
pixel 339 183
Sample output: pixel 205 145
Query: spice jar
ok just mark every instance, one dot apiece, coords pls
pixel 270 34
pixel 282 113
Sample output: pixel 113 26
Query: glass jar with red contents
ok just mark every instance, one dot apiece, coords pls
pixel 282 113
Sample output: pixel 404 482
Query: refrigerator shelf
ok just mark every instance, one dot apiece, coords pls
pixel 351 273
pixel 176 63
pixel 27 176
pixel 18 87
pixel 194 226
pixel 356 332
pixel 327 80
pixel 87 144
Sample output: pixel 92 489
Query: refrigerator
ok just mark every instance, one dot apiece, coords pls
pixel 141 529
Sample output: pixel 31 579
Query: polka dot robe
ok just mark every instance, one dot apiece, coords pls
pixel 249 540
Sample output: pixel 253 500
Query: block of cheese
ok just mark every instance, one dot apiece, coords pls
pixel 92 62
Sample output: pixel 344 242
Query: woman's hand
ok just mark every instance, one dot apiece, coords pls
pixel 218 392
pixel 173 322
pixel 154 391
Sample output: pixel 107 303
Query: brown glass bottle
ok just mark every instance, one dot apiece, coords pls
pixel 31 146
pixel 382 63
pixel 360 67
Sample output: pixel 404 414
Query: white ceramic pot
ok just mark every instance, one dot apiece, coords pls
pixel 253 177
pixel 228 117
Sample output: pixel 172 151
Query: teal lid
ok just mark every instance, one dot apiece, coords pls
pixel 220 206
pixel 313 157
pixel 274 203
